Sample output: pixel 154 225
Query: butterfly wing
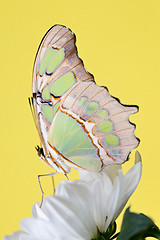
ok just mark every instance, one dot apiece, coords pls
pixel 91 129
pixel 57 69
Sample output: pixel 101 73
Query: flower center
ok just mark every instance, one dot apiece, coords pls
pixel 108 235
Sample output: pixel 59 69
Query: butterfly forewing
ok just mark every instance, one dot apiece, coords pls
pixel 57 69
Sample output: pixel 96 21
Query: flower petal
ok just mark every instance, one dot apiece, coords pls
pixel 38 213
pixel 101 189
pixel 130 182
pixel 113 202
pixel 19 235
pixel 39 228
pixel 110 170
pixel 80 198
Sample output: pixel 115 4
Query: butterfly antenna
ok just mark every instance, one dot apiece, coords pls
pixel 30 100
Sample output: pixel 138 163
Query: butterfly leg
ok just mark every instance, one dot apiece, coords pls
pixel 40 185
pixel 54 189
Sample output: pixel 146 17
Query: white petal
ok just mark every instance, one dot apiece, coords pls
pixel 19 235
pixel 39 229
pixel 128 183
pixel 110 170
pixel 101 189
pixel 81 201
pixel 137 157
pixel 67 215
pixel 113 202
pixel 38 213
pixel 133 177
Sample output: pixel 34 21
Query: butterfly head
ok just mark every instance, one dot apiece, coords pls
pixel 40 152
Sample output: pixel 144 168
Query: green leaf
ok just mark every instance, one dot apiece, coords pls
pixel 137 227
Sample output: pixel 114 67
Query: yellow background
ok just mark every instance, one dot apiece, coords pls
pixel 119 42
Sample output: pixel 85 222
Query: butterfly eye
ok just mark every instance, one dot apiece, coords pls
pixel 42 152
pixel 34 95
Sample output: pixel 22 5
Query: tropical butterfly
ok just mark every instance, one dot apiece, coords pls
pixel 80 124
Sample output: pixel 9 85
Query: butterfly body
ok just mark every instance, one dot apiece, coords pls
pixel 80 125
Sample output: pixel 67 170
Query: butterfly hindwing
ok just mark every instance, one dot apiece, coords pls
pixel 68 138
pixel 92 126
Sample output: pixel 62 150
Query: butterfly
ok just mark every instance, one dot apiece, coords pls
pixel 80 124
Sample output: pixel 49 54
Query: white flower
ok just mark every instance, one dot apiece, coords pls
pixel 81 207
